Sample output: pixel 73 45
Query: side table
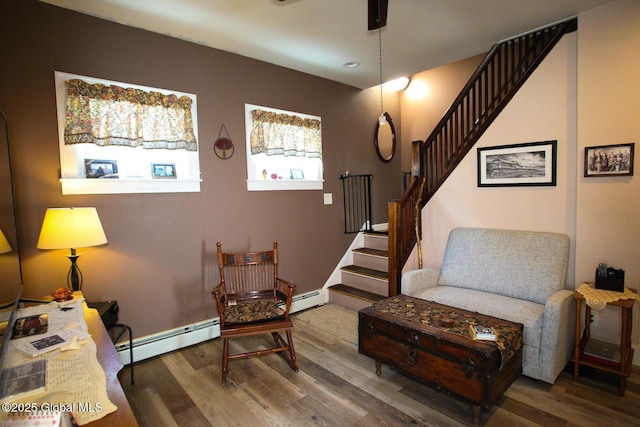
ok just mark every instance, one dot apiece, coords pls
pixel 621 367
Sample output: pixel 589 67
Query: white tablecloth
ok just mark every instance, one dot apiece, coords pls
pixel 75 378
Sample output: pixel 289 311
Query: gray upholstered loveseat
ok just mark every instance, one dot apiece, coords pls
pixel 514 275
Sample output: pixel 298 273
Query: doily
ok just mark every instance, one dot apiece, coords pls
pixel 597 299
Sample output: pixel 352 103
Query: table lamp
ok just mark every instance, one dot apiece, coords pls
pixel 4 243
pixel 71 228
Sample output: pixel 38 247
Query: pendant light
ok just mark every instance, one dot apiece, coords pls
pixel 382 119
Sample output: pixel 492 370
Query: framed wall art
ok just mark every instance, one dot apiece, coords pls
pixel 528 164
pixel 609 160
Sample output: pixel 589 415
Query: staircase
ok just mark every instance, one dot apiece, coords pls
pixel 367 279
pixel 500 75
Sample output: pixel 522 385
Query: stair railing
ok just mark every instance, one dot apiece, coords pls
pixel 500 75
pixel 356 192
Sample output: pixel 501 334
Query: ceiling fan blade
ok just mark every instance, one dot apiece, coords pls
pixel 377 14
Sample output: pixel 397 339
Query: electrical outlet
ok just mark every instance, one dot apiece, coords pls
pixel 594 318
pixel 328 198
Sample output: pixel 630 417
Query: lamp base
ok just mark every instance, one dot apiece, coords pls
pixel 74 277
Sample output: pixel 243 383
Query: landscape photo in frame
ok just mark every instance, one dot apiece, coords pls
pixel 528 164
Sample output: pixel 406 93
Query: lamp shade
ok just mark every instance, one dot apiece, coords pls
pixel 4 243
pixel 65 228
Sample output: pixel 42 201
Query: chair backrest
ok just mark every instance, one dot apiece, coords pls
pixel 248 275
pixel 529 265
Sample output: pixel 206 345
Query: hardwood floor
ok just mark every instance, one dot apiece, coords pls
pixel 337 386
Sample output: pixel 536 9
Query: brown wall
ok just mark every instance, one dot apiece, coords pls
pixel 158 263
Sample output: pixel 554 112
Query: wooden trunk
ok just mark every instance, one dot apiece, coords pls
pixel 466 368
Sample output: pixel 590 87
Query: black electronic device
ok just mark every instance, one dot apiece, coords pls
pixel 108 311
pixel 609 278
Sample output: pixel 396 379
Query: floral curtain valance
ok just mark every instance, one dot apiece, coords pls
pixel 283 134
pixel 113 115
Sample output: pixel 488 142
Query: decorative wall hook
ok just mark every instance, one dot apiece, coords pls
pixel 223 147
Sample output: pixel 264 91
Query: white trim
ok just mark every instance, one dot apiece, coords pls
pixel 122 186
pixel 284 184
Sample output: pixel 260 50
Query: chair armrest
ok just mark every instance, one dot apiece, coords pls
pixel 285 286
pixel 557 334
pixel 222 301
pixel 284 292
pixel 415 281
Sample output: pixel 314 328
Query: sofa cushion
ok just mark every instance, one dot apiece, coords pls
pixel 530 314
pixel 520 264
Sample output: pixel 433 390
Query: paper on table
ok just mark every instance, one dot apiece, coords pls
pixel 48 342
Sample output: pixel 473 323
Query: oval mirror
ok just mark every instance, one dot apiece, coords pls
pixel 385 139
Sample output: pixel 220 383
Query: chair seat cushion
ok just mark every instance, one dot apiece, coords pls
pixel 252 312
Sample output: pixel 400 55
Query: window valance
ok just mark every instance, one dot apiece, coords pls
pixel 283 134
pixel 114 115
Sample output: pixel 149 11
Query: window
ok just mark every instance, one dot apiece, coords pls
pixel 284 150
pixel 112 137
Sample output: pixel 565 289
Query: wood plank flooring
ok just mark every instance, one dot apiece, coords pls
pixel 337 386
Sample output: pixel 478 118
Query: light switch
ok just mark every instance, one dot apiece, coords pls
pixel 328 198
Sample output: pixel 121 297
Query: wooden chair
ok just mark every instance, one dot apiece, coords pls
pixel 252 300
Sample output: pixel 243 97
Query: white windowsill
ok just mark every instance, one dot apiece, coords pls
pixel 129 185
pixel 283 184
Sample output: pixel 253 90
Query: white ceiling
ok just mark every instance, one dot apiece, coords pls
pixel 319 36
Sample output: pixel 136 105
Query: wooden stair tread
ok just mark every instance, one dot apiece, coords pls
pixel 371 251
pixel 356 269
pixel 377 232
pixel 356 293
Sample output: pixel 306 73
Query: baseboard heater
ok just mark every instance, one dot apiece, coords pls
pixel 185 336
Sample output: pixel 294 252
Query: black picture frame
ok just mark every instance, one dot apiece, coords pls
pixel 531 164
pixel 101 169
pixel 163 170
pixel 609 160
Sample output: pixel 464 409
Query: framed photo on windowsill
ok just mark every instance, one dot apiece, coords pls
pixel 163 170
pixel 530 164
pixel 297 174
pixel 104 169
pixel 609 160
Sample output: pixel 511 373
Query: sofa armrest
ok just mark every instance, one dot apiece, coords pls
pixel 556 347
pixel 415 281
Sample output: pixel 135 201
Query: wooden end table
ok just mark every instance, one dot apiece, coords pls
pixel 621 367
